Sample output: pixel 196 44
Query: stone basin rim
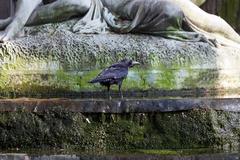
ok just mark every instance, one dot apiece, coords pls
pixel 119 106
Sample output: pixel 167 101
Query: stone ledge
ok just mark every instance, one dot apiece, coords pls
pixel 120 106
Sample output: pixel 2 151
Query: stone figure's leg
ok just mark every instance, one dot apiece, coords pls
pixel 203 21
pixel 59 10
pixel 23 11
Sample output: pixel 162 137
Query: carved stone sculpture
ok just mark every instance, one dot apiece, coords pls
pixel 53 60
pixel 158 17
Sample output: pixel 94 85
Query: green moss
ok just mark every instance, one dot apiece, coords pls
pixel 202 78
pixel 86 77
pixel 182 152
pixel 154 131
pixel 167 79
pixel 159 152
pixel 17 80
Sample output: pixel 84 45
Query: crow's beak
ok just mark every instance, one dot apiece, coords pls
pixel 135 63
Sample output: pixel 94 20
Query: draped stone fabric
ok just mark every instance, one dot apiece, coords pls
pixel 93 21
pixel 48 1
pixel 156 17
pixel 145 16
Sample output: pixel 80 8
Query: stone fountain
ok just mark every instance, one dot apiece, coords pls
pixel 185 94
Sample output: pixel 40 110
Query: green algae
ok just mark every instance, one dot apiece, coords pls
pixel 179 152
pixel 201 78
pixel 17 79
pixel 78 82
pixel 160 152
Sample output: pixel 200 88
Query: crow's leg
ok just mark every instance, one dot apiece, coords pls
pixel 109 94
pixel 120 89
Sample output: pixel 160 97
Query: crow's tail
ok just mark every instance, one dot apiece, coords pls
pixel 94 81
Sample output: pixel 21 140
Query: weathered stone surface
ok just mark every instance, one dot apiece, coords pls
pixel 60 128
pixel 164 154
pixel 52 61
pixel 93 106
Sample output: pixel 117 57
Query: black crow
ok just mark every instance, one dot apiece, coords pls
pixel 114 74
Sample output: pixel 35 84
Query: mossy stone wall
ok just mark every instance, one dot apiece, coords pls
pixel 104 132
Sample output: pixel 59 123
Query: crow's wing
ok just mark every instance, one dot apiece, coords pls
pixel 111 73
pixel 116 65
